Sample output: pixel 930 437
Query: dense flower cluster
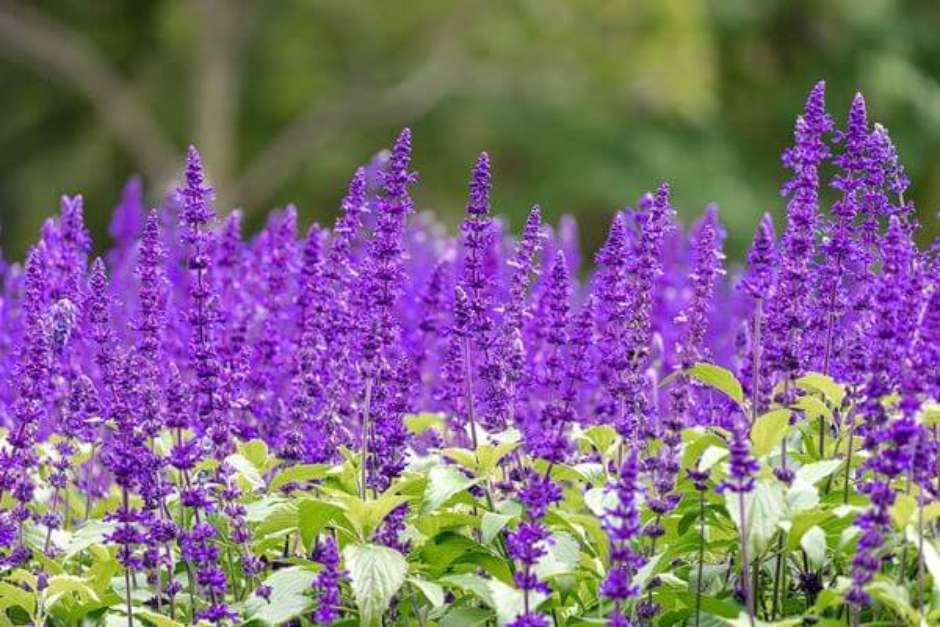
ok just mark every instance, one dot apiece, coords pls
pixel 168 387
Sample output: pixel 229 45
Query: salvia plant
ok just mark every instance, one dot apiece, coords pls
pixel 378 423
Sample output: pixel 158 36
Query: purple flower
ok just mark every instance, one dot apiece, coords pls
pixel 327 582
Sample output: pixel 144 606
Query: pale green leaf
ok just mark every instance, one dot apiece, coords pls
pixel 711 456
pixel 433 592
pixel 246 470
pixel 768 431
pixel 419 423
pixel 290 598
pixel 823 384
pixel 312 516
pixel 719 378
pixel 492 524
pixel 376 573
pixel 443 483
pixel 815 472
pixel 563 553
pixel 814 543
pixel 298 474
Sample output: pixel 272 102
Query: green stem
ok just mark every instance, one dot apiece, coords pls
pixel 365 440
pixel 701 557
pixel 745 562
pixel 848 461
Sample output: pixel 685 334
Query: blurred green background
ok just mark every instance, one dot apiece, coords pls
pixel 583 104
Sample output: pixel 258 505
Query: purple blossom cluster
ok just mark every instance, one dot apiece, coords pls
pixel 159 358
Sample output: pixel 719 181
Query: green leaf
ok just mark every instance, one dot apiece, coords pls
pixel 466 617
pixel 433 592
pixel 246 470
pixel 563 553
pixel 602 437
pixel 718 378
pixel 255 451
pixel 14 596
pixel 814 543
pixel 490 456
pixel 817 471
pixel 297 474
pixel 366 516
pixel 419 423
pixel 904 506
pixel 443 483
pixel 312 516
pixel 69 584
pixel 711 456
pixel 155 619
pixel 473 583
pixel 815 382
pixel 290 596
pixel 90 533
pixel 600 500
pixel 766 507
pixel 376 573
pixel 492 524
pixel 813 407
pixel 768 430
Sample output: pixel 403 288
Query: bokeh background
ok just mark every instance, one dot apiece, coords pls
pixel 583 104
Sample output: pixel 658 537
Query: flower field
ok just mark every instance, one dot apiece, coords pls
pixel 381 423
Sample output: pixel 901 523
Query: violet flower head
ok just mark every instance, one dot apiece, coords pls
pixel 196 194
pixel 787 313
pixel 329 599
pixel 623 526
pixel 478 201
pixel 152 277
pixel 128 217
pixel 761 259
pixel 742 466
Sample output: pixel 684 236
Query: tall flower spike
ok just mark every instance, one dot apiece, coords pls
pixel 761 258
pixel 152 278
pixel 128 216
pixel 787 311
pixel 622 524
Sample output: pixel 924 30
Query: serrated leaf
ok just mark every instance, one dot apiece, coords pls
pixel 814 543
pixel 443 483
pixel 433 592
pixel 768 430
pixel 766 507
pixel 718 378
pixel 492 524
pixel 376 573
pixel 289 596
pixel 563 553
